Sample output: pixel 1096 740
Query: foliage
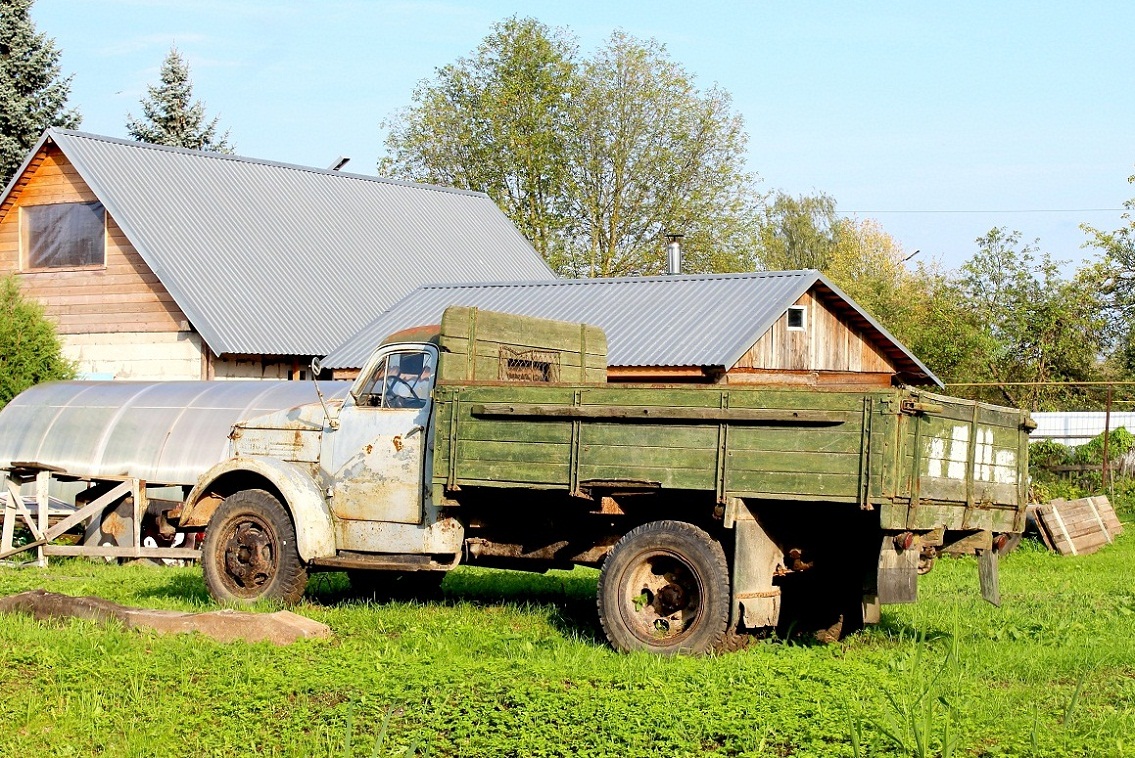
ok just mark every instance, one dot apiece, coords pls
pixel 513 664
pixel 1036 325
pixel 171 117
pixel 798 232
pixel 494 123
pixel 29 349
pixel 595 159
pixel 650 154
pixel 33 95
pixel 1117 277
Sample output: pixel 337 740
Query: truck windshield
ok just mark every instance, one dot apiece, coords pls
pixel 400 380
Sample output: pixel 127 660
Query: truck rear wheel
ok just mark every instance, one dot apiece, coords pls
pixel 665 588
pixel 250 551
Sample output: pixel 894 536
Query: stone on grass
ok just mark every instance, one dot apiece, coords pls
pixel 279 628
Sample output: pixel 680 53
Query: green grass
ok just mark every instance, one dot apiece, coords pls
pixel 513 664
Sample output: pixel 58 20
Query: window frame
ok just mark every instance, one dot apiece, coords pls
pixel 803 311
pixel 368 378
pixel 25 239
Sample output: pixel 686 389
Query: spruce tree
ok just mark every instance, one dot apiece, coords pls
pixel 171 117
pixel 33 95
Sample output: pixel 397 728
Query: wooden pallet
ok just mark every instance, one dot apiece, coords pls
pixel 1078 527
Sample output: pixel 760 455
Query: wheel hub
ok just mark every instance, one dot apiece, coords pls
pixel 250 560
pixel 663 598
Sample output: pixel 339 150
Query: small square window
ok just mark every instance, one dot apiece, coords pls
pixel 64 235
pixel 796 317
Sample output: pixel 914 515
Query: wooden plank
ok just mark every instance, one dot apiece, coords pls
pixel 669 477
pixel 798 462
pixel 99 551
pixel 817 485
pixel 841 439
pixel 8 533
pixel 43 508
pixel 633 458
pixel 504 472
pixel 469 450
pixel 660 413
pixel 95 506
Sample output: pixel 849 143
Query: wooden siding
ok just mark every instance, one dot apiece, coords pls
pixel 124 295
pixel 827 343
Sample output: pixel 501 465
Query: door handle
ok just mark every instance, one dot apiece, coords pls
pixel 414 430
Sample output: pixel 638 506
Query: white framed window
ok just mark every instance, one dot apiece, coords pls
pixel 63 235
pixel 797 318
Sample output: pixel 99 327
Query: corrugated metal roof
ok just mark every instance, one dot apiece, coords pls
pixel 704 320
pixel 275 259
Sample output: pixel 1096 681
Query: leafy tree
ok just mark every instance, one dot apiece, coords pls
pixel 798 232
pixel 595 160
pixel 1117 276
pixel 494 123
pixel 648 154
pixel 29 349
pixel 33 95
pixel 920 305
pixel 171 117
pixel 1037 325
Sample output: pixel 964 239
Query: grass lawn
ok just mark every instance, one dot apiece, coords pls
pixel 514 664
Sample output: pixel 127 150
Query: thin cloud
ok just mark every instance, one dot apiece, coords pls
pixel 151 41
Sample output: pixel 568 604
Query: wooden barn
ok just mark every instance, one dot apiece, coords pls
pixel 163 263
pixel 771 328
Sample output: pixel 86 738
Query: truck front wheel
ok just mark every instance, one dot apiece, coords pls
pixel 665 588
pixel 250 551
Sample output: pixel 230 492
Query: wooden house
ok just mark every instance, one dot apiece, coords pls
pixel 773 328
pixel 163 263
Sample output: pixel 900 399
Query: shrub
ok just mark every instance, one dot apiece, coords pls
pixel 30 352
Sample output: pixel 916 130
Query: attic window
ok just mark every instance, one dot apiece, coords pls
pixel 63 235
pixel 796 320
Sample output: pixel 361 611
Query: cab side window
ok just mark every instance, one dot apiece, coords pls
pixel 400 380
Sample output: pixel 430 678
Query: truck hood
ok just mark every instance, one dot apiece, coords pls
pixel 293 434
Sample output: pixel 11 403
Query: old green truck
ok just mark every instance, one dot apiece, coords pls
pixel 709 509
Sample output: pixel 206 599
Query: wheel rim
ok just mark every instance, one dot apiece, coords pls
pixel 250 556
pixel 662 598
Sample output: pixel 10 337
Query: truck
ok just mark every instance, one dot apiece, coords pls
pixel 710 510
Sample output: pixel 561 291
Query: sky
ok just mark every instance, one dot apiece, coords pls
pixel 940 120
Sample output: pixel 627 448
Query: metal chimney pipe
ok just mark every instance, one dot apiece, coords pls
pixel 674 254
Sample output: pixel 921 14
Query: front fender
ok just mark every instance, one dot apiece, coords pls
pixel 315 533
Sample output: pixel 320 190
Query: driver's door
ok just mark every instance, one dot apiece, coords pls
pixel 374 461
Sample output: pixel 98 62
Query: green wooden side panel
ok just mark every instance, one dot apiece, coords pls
pixel 480 345
pixel 942 462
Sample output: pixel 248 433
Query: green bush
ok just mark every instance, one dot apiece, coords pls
pixel 30 352
pixel 1119 443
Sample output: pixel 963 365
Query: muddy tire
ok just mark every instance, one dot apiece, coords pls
pixel 250 551
pixel 665 589
pixel 396 585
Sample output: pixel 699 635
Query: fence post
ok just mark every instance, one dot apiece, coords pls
pixel 1105 475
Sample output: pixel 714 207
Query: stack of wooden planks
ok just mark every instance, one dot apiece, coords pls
pixel 1078 527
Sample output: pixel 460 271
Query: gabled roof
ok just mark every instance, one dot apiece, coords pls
pixel 275 259
pixel 705 320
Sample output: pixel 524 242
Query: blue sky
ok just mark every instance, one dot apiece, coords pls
pixel 941 120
